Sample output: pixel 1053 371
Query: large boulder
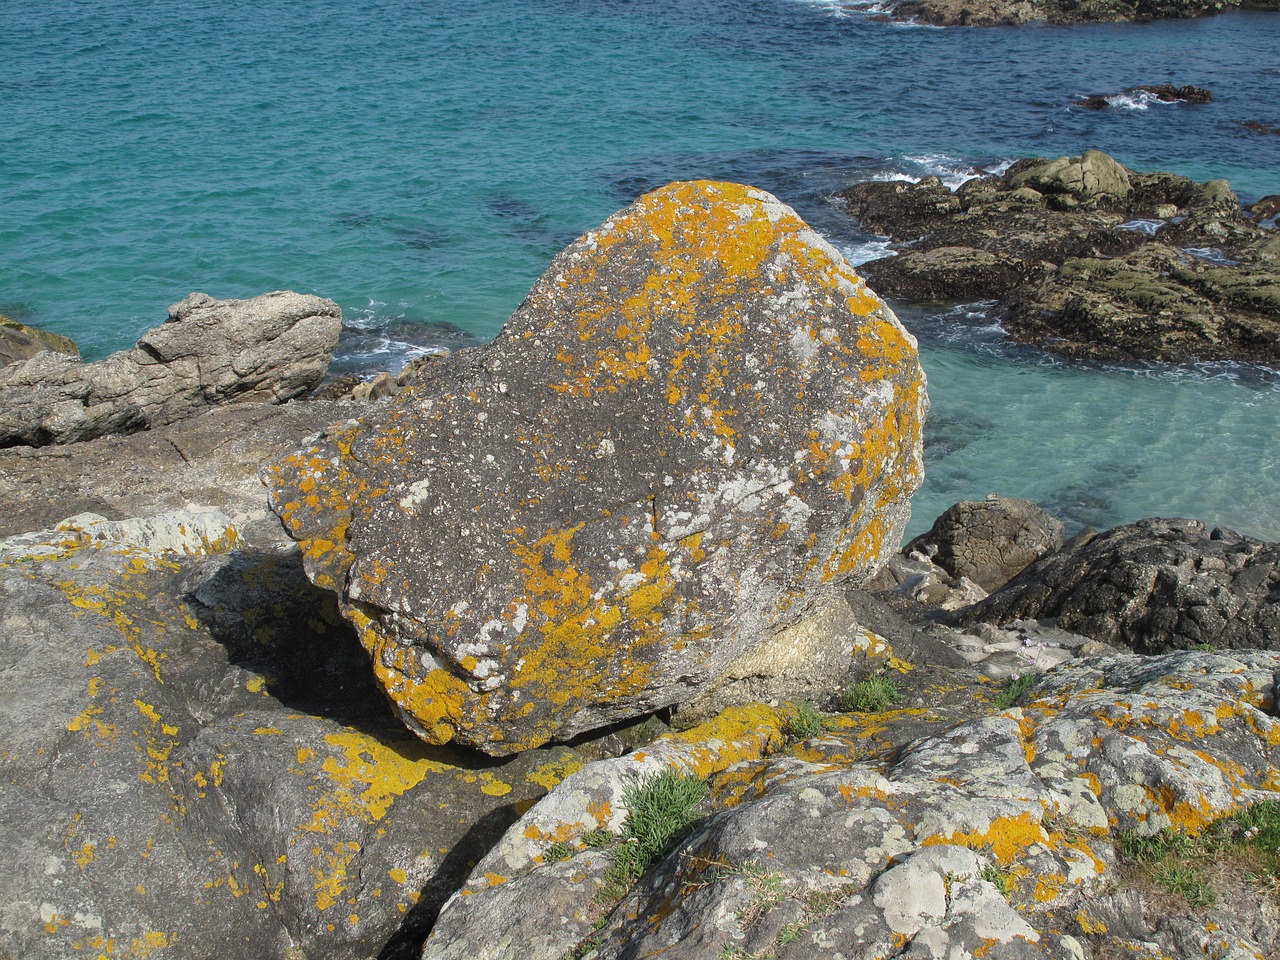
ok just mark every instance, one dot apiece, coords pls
pixel 1153 586
pixel 696 426
pixel 209 352
pixel 989 541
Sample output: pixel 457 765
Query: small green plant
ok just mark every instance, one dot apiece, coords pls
pixel 1014 688
pixel 597 838
pixel 999 878
pixel 791 932
pixel 660 809
pixel 558 851
pixel 874 694
pixel 1247 840
pixel 1181 877
pixel 804 723
pixel 767 887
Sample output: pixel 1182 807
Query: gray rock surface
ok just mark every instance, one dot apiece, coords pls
pixel 989 541
pixel 268 349
pixel 197 764
pixel 995 837
pixel 987 13
pixel 699 424
pixel 1153 586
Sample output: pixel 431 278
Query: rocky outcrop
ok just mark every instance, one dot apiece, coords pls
pixel 1152 586
pixel 697 425
pixel 999 836
pixel 209 352
pixel 210 460
pixel 1089 259
pixel 989 541
pixel 197 762
pixel 988 13
pixel 19 341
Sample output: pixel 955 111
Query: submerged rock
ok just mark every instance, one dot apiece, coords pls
pixel 698 424
pixel 209 352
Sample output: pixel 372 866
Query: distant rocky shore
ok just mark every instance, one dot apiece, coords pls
pixel 600 641
pixel 988 13
pixel 1087 258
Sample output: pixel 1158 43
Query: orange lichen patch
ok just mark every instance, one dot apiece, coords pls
pixel 548 775
pixel 1089 925
pixel 1184 816
pixel 365 777
pixel 119 607
pixel 1006 837
pixel 329 874
pixel 735 735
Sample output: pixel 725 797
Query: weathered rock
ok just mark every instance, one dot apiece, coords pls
pixel 209 460
pixel 209 352
pixel 831 849
pixel 19 341
pixel 989 541
pixel 1152 586
pixel 1157 303
pixel 197 764
pixel 1089 178
pixel 698 424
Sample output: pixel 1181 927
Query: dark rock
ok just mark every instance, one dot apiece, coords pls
pixel 19 341
pixel 1168 93
pixel 1152 586
pixel 986 13
pixel 989 541
pixel 698 425
pixel 1257 126
pixel 209 352
pixel 1056 242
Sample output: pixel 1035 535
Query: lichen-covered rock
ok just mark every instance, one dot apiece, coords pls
pixel 698 423
pixel 989 541
pixel 1153 586
pixel 995 837
pixel 209 352
pixel 196 764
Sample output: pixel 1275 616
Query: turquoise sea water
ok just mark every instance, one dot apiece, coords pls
pixel 421 162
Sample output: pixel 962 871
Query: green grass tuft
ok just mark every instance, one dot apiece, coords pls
pixel 660 810
pixel 804 723
pixel 873 694
pixel 1014 688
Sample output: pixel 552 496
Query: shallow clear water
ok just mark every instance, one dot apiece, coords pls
pixel 420 163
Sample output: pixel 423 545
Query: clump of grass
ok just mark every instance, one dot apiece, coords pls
pixel 804 723
pixel 1014 688
pixel 660 810
pixel 874 694
pixel 999 878
pixel 557 851
pixel 1248 839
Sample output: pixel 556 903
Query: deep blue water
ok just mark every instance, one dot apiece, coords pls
pixel 421 162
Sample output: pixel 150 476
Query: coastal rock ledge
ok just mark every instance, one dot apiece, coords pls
pixel 698 424
pixel 208 352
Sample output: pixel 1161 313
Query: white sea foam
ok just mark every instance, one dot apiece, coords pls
pixel 858 252
pixel 1149 227
pixel 1133 100
pixel 1212 254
